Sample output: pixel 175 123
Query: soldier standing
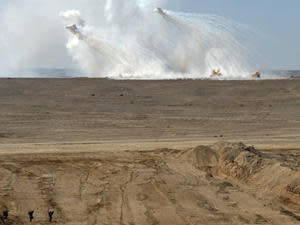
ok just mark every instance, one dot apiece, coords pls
pixel 30 214
pixel 5 214
pixel 50 213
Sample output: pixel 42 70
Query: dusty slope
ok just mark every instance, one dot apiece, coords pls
pixel 90 181
pixel 222 184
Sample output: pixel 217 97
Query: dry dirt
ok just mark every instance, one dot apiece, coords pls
pixel 99 151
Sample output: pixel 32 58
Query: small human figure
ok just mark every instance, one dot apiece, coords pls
pixel 216 73
pixel 256 74
pixel 50 213
pixel 5 214
pixel 30 213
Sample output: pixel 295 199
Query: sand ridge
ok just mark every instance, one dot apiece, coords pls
pixel 220 184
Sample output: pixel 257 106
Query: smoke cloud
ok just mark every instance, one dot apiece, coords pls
pixel 122 39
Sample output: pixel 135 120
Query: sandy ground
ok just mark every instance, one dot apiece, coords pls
pixel 100 151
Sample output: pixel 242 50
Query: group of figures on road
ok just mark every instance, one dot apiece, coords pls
pixel 30 215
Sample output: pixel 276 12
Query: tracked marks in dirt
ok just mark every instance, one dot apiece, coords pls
pixel 290 214
pixel 156 187
pixel 83 182
pixel 125 206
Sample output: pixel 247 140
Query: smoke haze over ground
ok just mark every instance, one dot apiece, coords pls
pixel 125 39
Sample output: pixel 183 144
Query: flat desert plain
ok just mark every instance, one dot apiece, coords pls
pixel 99 151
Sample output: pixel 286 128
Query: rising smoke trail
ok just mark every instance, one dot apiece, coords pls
pixel 137 43
pixel 122 39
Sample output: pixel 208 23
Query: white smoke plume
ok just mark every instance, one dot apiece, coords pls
pixel 74 16
pixel 122 39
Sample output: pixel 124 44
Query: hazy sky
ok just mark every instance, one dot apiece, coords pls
pixel 277 22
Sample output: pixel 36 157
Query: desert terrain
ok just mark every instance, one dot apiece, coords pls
pixel 99 151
